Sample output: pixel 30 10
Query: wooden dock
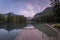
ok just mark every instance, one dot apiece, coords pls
pixel 31 34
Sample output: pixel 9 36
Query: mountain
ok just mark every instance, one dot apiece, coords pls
pixel 47 11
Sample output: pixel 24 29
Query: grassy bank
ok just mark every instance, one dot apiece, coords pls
pixel 57 25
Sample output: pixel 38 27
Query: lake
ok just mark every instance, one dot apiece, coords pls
pixel 10 31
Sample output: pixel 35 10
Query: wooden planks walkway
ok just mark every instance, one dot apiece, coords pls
pixel 31 34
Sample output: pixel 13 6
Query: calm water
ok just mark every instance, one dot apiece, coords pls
pixel 10 31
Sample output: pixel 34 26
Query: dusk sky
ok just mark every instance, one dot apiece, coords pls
pixel 27 8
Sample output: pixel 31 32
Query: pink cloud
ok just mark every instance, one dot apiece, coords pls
pixel 27 13
pixel 29 6
pixel 31 9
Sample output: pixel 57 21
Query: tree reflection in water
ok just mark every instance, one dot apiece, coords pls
pixel 10 27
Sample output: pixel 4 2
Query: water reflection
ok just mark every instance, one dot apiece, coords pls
pixel 52 34
pixel 5 35
pixel 29 26
pixel 10 27
pixel 10 31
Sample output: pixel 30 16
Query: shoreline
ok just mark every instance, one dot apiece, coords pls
pixel 54 28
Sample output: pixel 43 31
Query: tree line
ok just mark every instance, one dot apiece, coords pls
pixel 12 18
pixel 49 15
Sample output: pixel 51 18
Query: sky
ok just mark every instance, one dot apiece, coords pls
pixel 27 8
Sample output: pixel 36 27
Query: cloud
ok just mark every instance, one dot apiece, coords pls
pixel 27 13
pixel 30 9
pixel 27 8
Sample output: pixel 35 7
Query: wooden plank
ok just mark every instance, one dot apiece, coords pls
pixel 32 34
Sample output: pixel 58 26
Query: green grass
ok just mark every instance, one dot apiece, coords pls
pixel 57 25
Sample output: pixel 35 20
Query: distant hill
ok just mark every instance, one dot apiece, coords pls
pixel 46 15
pixel 47 11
